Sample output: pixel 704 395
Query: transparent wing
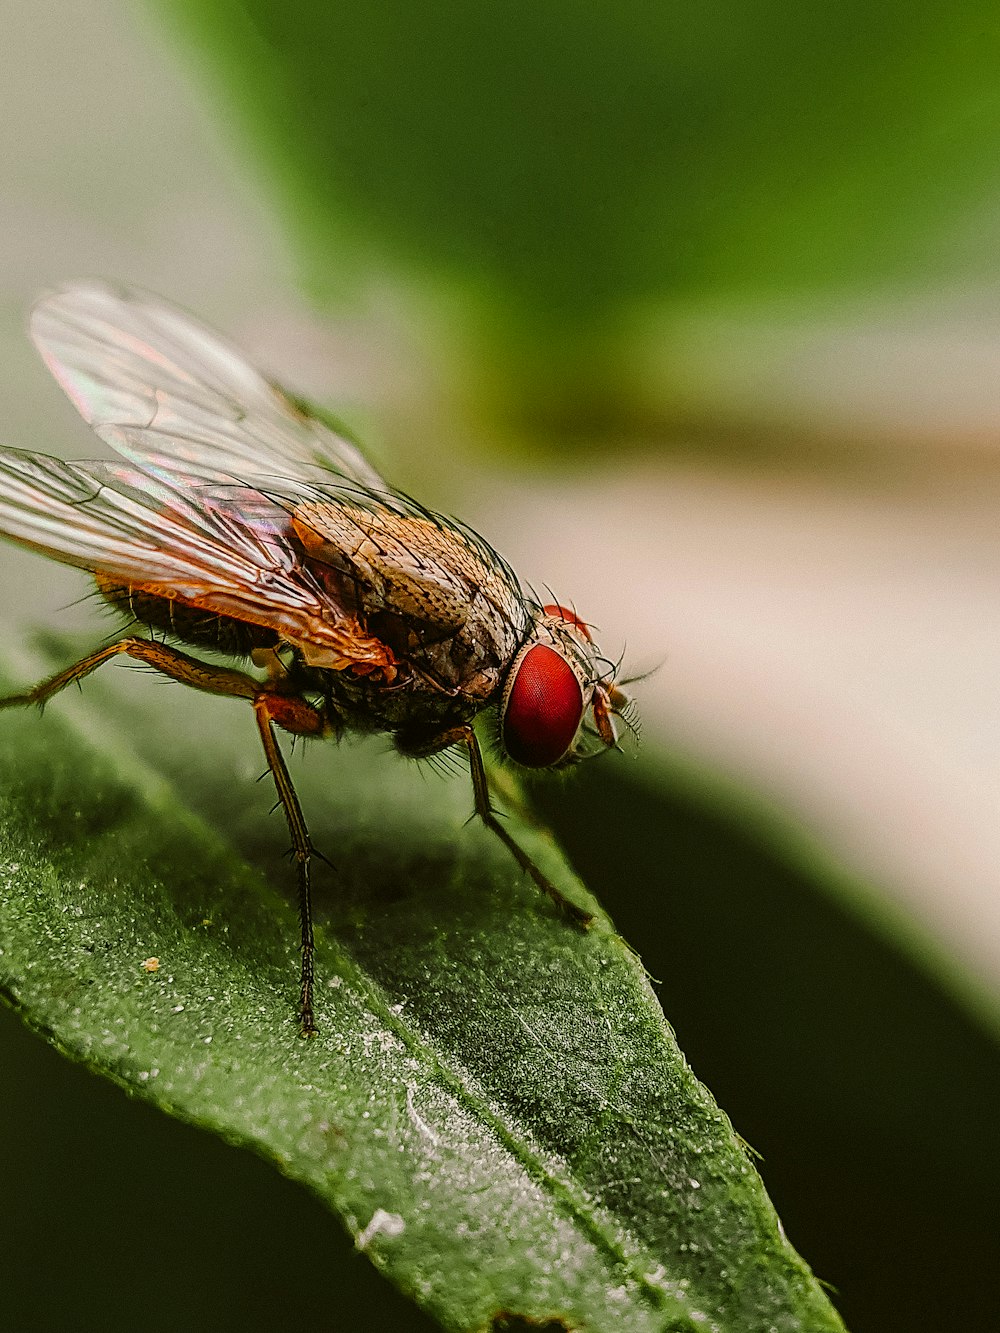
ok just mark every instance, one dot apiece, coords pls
pixel 176 400
pixel 228 482
pixel 231 556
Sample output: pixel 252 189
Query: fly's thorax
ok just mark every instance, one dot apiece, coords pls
pixel 552 690
pixel 440 600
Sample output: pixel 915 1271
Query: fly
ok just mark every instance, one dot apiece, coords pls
pixel 238 520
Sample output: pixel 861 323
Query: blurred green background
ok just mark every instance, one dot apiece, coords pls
pixel 694 309
pixel 561 167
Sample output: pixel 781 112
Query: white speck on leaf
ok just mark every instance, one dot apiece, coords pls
pixel 382 1224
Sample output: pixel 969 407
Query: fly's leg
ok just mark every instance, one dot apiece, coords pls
pixel 505 788
pixel 289 712
pixel 177 665
pixel 301 719
pixel 485 811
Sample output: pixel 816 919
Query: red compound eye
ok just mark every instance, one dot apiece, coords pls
pixel 543 709
pixel 570 617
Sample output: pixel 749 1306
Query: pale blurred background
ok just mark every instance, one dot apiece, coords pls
pixel 762 449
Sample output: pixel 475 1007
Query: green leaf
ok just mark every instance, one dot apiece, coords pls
pixel 567 164
pixel 578 157
pixel 494 1105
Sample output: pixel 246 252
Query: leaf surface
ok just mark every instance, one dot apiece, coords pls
pixel 494 1105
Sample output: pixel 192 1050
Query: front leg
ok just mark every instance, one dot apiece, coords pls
pixel 481 791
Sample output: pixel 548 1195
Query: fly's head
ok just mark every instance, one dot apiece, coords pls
pixel 560 703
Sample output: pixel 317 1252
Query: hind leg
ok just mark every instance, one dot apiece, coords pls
pixel 172 663
pixel 289 712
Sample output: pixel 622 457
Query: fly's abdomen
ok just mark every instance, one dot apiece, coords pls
pixel 188 624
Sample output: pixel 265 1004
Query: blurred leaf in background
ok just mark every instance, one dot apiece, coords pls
pixel 561 165
pixel 850 1066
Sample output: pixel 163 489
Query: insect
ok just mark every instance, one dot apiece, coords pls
pixel 239 521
